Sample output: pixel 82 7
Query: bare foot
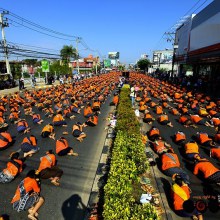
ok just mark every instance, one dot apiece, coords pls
pixel 55 183
pixel 65 132
pixel 79 139
pixel 30 211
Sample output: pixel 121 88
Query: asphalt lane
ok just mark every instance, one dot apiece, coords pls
pixel 69 200
pixel 200 190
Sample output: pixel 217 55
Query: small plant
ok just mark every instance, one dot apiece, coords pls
pixel 123 189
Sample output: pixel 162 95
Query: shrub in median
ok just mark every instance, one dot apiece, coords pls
pixel 128 161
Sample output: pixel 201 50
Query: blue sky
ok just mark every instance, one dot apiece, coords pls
pixel 132 27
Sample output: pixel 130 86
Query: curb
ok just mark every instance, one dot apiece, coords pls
pixel 101 172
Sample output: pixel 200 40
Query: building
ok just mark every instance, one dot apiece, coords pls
pixel 86 64
pixel 198 45
pixel 144 56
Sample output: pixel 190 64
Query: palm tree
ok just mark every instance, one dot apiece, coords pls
pixel 68 52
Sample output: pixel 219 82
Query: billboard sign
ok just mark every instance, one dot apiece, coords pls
pixel 166 57
pixel 45 65
pixel 162 56
pixel 113 55
pixel 107 63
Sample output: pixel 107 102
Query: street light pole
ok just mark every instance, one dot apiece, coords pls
pixel 159 56
pixel 96 65
pixel 77 52
pixel 175 46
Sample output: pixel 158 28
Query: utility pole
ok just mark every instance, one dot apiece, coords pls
pixel 96 65
pixel 171 38
pixel 77 52
pixel 3 24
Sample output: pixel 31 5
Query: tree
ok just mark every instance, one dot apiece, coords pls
pixel 31 62
pixel 143 64
pixel 16 70
pixel 121 67
pixel 68 52
pixel 56 67
pixel 98 68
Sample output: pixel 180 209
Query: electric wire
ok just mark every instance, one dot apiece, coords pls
pixel 41 31
pixel 173 26
pixel 37 25
pixel 199 6
pixel 30 46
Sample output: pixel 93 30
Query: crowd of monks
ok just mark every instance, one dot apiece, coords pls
pixel 51 109
pixel 166 108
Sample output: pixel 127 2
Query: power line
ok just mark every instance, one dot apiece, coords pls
pixel 37 25
pixel 30 46
pixel 183 17
pixel 46 31
pixel 191 8
pixel 40 31
pixel 200 6
pixel 187 13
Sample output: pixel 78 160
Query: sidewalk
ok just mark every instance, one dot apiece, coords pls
pixel 40 85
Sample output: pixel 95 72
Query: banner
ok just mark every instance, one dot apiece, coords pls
pixel 45 66
pixel 107 63
pixel 113 55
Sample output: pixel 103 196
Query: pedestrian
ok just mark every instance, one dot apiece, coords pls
pixel 115 100
pixel 170 165
pixel 153 133
pixel 210 173
pixel 191 150
pixel 179 138
pixel 29 146
pixel 215 152
pixel 13 168
pixel 48 131
pixel 58 120
pixel 77 131
pixel 27 195
pixel 132 95
pixel 180 194
pixel 22 126
pixel 92 120
pixel 204 139
pixel 37 119
pixel 164 120
pixel 63 149
pixel 196 119
pixel 88 110
pixel 148 118
pixel 5 140
pixel 48 169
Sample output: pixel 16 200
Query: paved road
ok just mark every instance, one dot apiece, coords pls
pixel 68 201
pixel 40 85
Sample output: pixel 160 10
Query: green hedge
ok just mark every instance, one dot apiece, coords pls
pixel 123 190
